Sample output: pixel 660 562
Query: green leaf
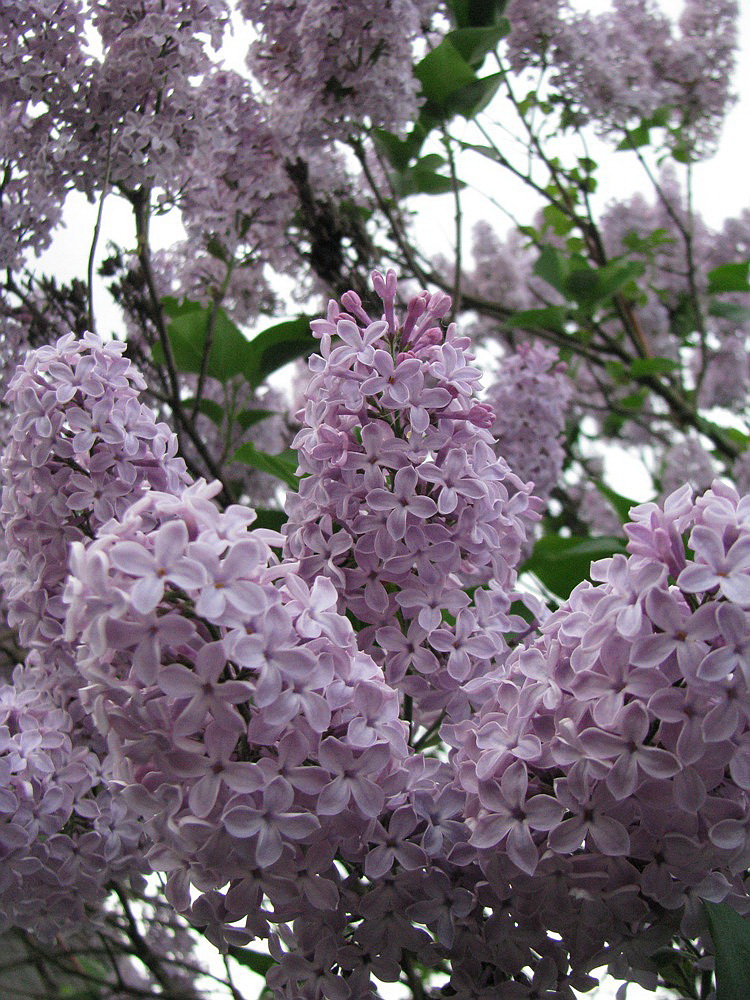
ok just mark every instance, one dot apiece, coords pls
pixel 179 307
pixel 487 151
pixel 589 286
pixel 635 400
pixel 475 43
pixel 646 244
pixel 256 961
pixel 737 436
pixel 641 135
pixel 583 286
pixel 450 85
pixel 552 267
pixel 470 100
pixel 617 372
pixel 477 13
pixel 732 433
pixel 283 466
pixel 729 278
pixel 677 971
pixel 207 406
pixel 616 274
pixel 400 152
pixel 562 563
pixel 423 179
pixel 246 418
pixel 635 138
pixel 433 161
pixel 217 250
pixel 550 318
pixel 277 346
pixel 682 153
pixel 685 320
pixel 730 934
pixel 442 72
pixel 732 311
pixel 652 366
pixel 560 223
pixel 269 518
pixel 187 331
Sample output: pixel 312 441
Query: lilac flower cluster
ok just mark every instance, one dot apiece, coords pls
pixel 614 752
pixel 529 398
pixel 687 462
pixel 82 448
pixel 63 835
pixel 139 117
pixel 621 65
pixel 242 722
pixel 403 499
pixel 335 66
pixel 72 120
pixel 239 192
pixel 41 69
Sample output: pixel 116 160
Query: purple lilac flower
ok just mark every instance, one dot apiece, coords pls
pixel 641 729
pixel 82 447
pixel 529 398
pixel 398 460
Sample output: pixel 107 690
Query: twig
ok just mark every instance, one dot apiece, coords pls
pixel 456 296
pixel 144 953
pixel 139 201
pixel 413 981
pixel 95 237
pixel 209 341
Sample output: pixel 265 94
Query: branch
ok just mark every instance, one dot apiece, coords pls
pixel 145 954
pixel 140 202
pixel 209 342
pixel 95 237
pixel 456 296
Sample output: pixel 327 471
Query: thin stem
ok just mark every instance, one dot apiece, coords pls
pixel 95 237
pixel 144 953
pixel 140 202
pixel 236 994
pixel 458 218
pixel 390 215
pixel 209 341
pixel 412 979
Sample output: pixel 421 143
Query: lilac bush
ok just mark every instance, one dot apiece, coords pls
pixel 393 683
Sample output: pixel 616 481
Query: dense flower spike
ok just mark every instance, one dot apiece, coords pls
pixel 529 400
pixel 336 66
pixel 242 722
pixel 615 748
pixel 82 449
pixel 41 73
pixel 624 64
pixel 140 116
pixel 403 499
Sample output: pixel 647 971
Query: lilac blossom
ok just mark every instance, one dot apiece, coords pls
pixel 262 731
pixel 79 434
pixel 621 65
pixel 530 398
pixel 334 67
pixel 633 734
pixel 398 460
